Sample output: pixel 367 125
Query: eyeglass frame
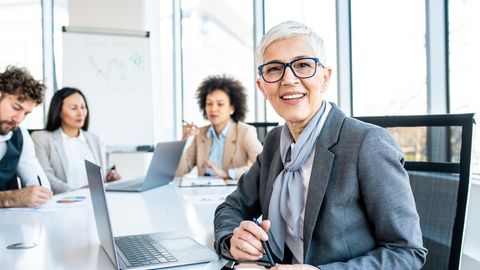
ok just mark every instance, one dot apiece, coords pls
pixel 285 65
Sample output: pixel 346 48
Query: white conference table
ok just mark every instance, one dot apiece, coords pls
pixel 67 236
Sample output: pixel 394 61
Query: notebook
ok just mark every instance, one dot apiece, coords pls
pixel 161 170
pixel 144 251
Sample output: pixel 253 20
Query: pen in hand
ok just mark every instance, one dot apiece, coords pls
pixel 265 246
pixel 189 129
pixel 19 183
pixel 39 180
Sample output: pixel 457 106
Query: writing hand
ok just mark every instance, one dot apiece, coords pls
pixel 245 244
pixel 113 175
pixel 219 171
pixel 31 196
pixel 189 129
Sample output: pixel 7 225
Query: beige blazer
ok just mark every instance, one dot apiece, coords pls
pixel 240 150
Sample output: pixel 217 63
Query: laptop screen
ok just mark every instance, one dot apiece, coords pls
pixel 166 157
pixel 100 209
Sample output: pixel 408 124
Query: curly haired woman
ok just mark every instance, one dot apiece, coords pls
pixel 227 147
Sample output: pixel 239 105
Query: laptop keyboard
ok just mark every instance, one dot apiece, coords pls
pixel 143 250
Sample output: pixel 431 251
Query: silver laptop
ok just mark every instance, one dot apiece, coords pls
pixel 161 170
pixel 145 251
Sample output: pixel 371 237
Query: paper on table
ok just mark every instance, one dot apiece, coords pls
pixel 205 198
pixel 78 198
pixel 201 181
pixel 248 266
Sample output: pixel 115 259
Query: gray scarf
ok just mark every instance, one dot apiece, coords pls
pixel 287 201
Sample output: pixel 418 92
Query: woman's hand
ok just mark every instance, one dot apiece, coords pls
pixel 189 130
pixel 113 175
pixel 219 171
pixel 245 244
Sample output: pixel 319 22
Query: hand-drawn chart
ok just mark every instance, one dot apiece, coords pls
pixel 113 71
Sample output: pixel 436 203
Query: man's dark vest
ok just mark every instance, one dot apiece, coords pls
pixel 9 163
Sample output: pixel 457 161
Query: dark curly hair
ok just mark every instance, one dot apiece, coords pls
pixel 232 87
pixel 18 81
pixel 54 121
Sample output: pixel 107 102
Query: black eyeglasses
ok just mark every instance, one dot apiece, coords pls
pixel 302 68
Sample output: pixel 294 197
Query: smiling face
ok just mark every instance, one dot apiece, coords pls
pixel 13 111
pixel 74 111
pixel 218 109
pixel 295 100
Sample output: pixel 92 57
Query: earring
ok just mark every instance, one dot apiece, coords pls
pixel 324 87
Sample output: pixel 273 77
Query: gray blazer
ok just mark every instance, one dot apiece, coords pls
pixel 51 154
pixel 360 211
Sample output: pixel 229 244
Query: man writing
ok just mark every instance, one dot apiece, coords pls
pixel 19 94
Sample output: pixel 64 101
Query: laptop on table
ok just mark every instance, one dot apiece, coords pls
pixel 161 170
pixel 144 251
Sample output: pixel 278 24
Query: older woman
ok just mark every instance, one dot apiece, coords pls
pixel 227 147
pixel 66 143
pixel 331 190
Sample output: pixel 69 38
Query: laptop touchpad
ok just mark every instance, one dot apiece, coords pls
pixel 179 244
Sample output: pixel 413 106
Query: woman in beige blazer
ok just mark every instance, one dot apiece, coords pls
pixel 65 143
pixel 227 147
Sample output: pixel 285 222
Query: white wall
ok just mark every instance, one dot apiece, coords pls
pixel 117 14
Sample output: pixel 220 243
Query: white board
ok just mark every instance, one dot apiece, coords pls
pixel 113 71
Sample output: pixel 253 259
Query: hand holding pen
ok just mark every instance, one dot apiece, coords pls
pixel 266 248
pixel 189 129
pixel 30 196
pixel 246 241
pixel 112 174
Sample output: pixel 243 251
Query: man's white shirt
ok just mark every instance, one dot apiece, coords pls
pixel 28 168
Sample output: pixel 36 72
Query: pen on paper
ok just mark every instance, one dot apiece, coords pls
pixel 39 180
pixel 185 122
pixel 113 168
pixel 265 246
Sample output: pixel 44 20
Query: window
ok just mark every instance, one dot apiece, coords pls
pixel 317 14
pixel 60 13
pixel 21 44
pixel 217 38
pixel 464 58
pixel 163 70
pixel 388 57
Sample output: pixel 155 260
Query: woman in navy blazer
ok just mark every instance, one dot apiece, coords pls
pixel 64 144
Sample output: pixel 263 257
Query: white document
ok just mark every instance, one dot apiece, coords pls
pixel 201 181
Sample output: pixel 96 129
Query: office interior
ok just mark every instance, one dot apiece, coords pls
pixel 388 58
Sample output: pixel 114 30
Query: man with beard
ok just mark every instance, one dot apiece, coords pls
pixel 19 94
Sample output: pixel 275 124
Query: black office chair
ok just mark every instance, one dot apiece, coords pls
pixel 263 128
pixel 30 131
pixel 437 151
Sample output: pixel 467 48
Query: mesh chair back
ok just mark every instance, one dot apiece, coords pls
pixel 437 150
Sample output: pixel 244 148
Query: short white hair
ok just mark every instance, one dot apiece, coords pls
pixel 289 29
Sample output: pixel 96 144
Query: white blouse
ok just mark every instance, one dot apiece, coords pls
pixel 77 150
